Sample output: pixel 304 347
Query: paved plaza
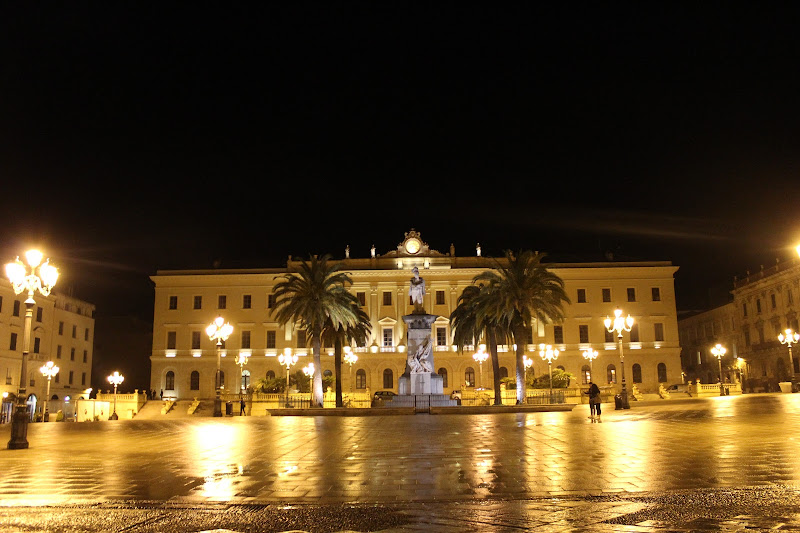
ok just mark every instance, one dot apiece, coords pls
pixel 730 463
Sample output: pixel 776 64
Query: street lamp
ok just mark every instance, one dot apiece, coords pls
pixel 526 364
pixel 480 356
pixel 49 370
pixel 37 276
pixel 308 370
pixel 718 351
pixel 618 325
pixel 350 358
pixel 789 339
pixel 218 331
pixel 115 379
pixel 241 360
pixel 549 354
pixel 288 360
pixel 591 355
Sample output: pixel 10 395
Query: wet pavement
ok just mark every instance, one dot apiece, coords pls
pixel 716 464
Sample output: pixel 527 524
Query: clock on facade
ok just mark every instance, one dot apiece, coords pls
pixel 412 246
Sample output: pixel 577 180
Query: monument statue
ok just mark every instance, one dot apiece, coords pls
pixel 417 290
pixel 419 361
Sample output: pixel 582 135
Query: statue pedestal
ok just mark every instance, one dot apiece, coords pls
pixel 419 381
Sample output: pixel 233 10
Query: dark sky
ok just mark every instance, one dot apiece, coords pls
pixel 138 136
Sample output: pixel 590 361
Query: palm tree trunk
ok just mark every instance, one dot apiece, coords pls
pixel 337 366
pixel 317 394
pixel 491 337
pixel 520 338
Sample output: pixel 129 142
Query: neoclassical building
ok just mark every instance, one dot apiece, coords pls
pixel 699 332
pixel 62 331
pixel 187 301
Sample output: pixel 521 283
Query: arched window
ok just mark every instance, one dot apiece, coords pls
pixel 662 373
pixel 469 377
pixel 361 379
pixel 586 374
pixel 636 370
pixel 270 375
pixel 245 379
pixel 611 374
pixel 194 380
pixel 388 379
pixel 503 372
pixel 169 380
pixel 443 372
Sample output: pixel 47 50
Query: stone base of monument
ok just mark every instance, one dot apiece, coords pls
pixel 421 402
pixel 420 383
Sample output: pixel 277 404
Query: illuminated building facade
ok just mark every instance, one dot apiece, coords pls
pixel 701 331
pixel 183 360
pixel 62 331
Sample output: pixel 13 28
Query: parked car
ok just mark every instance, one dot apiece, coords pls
pixel 678 387
pixel 384 395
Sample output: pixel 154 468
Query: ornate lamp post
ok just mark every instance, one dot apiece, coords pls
pixel 115 379
pixel 549 354
pixel 718 351
pixel 480 356
pixel 37 276
pixel 350 358
pixel 526 364
pixel 288 360
pixel 241 360
pixel 49 370
pixel 218 331
pixel 591 355
pixel 618 325
pixel 308 370
pixel 788 339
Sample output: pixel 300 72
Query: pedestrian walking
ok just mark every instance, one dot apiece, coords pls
pixel 162 394
pixel 241 407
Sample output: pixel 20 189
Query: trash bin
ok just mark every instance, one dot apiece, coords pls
pixel 618 401
pixel 229 408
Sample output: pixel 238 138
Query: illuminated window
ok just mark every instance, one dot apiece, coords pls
pixel 388 379
pixel 245 379
pixel 441 336
pixel 387 337
pixel 636 370
pixel 169 380
pixel 611 374
pixel 586 374
pixel 194 380
pixel 361 379
pixel 469 377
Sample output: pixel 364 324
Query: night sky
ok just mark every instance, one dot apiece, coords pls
pixel 145 136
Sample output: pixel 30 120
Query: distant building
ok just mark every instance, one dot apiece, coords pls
pixel 183 359
pixel 699 332
pixel 62 331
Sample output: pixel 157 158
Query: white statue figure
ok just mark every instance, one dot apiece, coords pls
pixel 419 361
pixel 417 289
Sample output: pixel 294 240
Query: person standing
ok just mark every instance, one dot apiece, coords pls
pixel 241 407
pixel 594 401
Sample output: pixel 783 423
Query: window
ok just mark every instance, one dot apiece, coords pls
pixel 71 376
pixel 37 342
pixel 245 379
pixel 586 374
pixel 361 379
pixel 169 380
pixel 388 379
pixel 61 328
pixel 271 335
pixel 86 334
pixel 659 331
pixel 583 333
pixel 58 377
pixel 13 344
pixel 387 298
pixel 635 333
pixel 15 311
pixel 758 306
pixel 439 297
pixel 172 340
pixel 746 337
pixel 362 298
pixel 558 335
pixel 469 377
pixel 270 301
pixel 173 302
pixel 58 352
pixel 194 380
pixel 637 373
pixel 609 335
pixel 39 312
pixel 387 337
pixel 196 340
pixel 1 303
pixel 581 296
pixel 247 301
pixel 74 332
pixel 83 378
pixel 655 293
pixel 772 302
pixel 606 295
pixel 611 374
pixel 631 294
pixel 301 338
pixel 222 302
pixel 443 372
pixel 245 339
pixel 441 336
pixel 85 356
pixel 789 297
pixel 72 354
pixel 662 373
pixel 744 309
pixel 270 375
pixel 503 372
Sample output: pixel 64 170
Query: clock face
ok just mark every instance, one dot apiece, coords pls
pixel 412 246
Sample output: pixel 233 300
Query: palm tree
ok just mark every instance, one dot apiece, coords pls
pixel 313 296
pixel 468 328
pixel 345 334
pixel 522 290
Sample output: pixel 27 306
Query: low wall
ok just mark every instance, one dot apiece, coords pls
pixel 128 404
